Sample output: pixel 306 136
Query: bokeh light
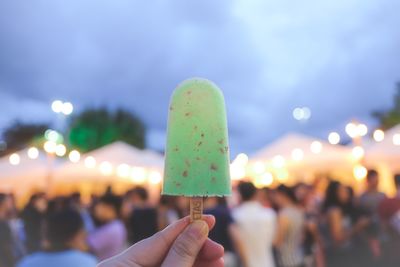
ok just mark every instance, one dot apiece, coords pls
pixel 14 159
pixel 90 162
pixel 316 147
pixel 379 135
pixel 106 168
pixel 74 156
pixel 61 150
pixel 297 154
pixel 359 172
pixel 33 153
pixel 334 138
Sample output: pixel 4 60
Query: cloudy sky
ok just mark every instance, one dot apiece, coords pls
pixel 338 57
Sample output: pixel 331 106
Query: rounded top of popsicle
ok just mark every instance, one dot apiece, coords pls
pixel 198 82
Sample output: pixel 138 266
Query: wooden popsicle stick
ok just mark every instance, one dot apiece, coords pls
pixel 196 208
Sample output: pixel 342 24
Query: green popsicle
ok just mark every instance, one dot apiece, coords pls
pixel 197 156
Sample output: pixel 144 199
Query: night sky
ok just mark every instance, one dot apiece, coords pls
pixel 340 58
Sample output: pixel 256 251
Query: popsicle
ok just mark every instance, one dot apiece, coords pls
pixel 197 150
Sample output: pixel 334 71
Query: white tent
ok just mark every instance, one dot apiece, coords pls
pixel 386 151
pixel 113 155
pixel 314 152
pixel 305 156
pixel 28 174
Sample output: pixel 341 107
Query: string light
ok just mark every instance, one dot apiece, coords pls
pixel 258 167
pixel 297 154
pixel 264 180
pixel 358 152
pixel 278 161
pixel 14 159
pixel 106 168
pixel 316 147
pixel 33 153
pixel 396 139
pixel 138 175
pixel 90 162
pixel 334 138
pixel 155 177
pixel 123 170
pixel 74 156
pixel 61 150
pixel 50 147
pixel 379 135
pixel 359 172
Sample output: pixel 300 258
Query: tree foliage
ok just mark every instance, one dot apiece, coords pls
pixel 390 118
pixel 94 128
pixel 19 135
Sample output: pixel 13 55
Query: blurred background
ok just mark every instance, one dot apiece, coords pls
pixel 312 91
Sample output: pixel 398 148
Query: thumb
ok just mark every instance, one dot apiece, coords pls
pixel 184 250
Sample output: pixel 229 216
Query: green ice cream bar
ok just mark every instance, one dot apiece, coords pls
pixel 197 151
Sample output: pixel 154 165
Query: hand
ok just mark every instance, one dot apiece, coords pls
pixel 182 244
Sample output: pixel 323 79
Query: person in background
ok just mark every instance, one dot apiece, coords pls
pixel 7 258
pixel 168 211
pixel 256 226
pixel 66 238
pixel 109 239
pixel 389 213
pixel 342 227
pixel 143 221
pixel 312 244
pixel 75 201
pixel 291 227
pixel 369 202
pixel 226 231
pixel 33 217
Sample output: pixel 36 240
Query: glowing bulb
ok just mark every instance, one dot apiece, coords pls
pixel 358 152
pixel 90 162
pixel 61 150
pixel 362 129
pixel 298 114
pixel 241 159
pixel 138 175
pixel 264 180
pixel 155 177
pixel 238 172
pixel 359 172
pixel 351 130
pixel 50 147
pixel 57 106
pixel 14 159
pixel 106 168
pixel 379 135
pixel 282 175
pixel 297 154
pixel 259 167
pixel 123 170
pixel 396 139
pixel 33 153
pixel 74 156
pixel 278 161
pixel 334 138
pixel 67 108
pixel 316 147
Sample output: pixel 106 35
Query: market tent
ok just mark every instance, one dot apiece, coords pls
pixel 28 174
pixel 73 175
pixel 386 151
pixel 305 156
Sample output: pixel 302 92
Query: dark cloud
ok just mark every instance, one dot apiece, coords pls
pixel 337 57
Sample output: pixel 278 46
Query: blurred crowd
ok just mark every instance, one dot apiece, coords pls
pixel 284 226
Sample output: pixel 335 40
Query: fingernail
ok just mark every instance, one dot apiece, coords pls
pixel 198 229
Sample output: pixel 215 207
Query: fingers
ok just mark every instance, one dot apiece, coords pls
pixel 159 244
pixel 184 250
pixel 215 263
pixel 211 251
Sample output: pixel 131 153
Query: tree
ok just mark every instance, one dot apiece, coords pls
pixel 390 118
pixel 94 128
pixel 19 135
